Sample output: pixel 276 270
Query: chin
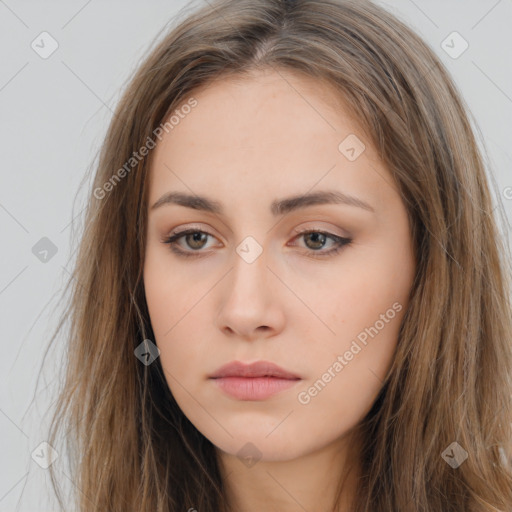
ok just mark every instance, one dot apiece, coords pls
pixel 257 447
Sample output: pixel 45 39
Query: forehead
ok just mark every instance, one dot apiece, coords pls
pixel 267 130
pixel 264 101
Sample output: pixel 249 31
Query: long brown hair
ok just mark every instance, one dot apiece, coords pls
pixel 447 394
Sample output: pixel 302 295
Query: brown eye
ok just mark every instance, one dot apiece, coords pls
pixel 196 240
pixel 316 238
pixel 315 241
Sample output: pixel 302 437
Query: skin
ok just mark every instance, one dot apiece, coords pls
pixel 248 142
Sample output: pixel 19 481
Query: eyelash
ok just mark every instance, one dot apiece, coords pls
pixel 340 241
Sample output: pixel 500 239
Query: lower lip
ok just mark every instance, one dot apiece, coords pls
pixel 254 388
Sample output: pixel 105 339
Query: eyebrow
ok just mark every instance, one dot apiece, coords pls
pixel 278 207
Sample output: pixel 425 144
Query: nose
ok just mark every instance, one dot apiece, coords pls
pixel 250 300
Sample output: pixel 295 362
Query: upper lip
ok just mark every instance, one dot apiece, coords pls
pixel 257 369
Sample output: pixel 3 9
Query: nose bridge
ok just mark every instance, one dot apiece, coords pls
pixel 249 279
pixel 249 298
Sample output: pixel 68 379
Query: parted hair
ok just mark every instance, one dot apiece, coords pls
pixel 130 446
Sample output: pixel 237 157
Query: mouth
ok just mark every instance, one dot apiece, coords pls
pixel 256 381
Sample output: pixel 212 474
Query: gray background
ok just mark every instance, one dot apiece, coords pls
pixel 54 113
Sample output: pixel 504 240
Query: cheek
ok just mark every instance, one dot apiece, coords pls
pixel 170 294
pixel 348 372
pixel 177 319
pixel 363 309
pixel 355 300
pixel 372 278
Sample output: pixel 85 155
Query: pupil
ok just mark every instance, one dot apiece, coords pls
pixel 196 237
pixel 315 236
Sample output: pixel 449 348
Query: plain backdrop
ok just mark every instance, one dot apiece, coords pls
pixel 54 112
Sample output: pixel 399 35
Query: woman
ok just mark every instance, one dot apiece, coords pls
pixel 291 293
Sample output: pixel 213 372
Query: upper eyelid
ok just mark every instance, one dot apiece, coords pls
pixel 193 227
pixel 179 233
pixel 301 230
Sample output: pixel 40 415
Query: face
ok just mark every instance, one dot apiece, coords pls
pixel 317 287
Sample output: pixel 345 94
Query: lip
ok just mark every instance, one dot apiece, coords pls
pixel 255 381
pixel 256 369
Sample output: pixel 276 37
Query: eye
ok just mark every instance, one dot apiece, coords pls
pixel 196 240
pixel 315 240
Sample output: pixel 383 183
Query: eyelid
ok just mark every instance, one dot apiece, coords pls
pixel 331 230
pixel 191 227
pixel 339 240
pixel 296 231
